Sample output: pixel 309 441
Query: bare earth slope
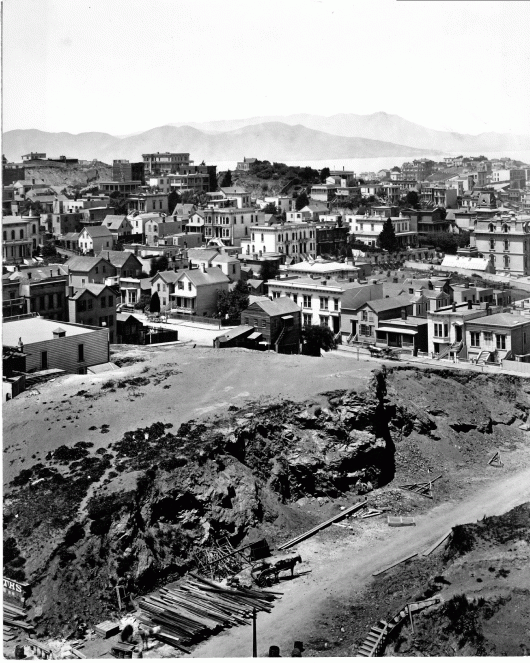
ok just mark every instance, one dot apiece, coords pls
pixel 106 481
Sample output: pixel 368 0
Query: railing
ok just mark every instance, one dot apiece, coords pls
pixel 180 315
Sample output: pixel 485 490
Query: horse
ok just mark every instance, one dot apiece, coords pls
pixel 145 632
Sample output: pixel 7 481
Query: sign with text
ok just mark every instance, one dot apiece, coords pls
pixel 15 591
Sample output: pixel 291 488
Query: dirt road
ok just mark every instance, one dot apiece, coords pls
pixel 340 571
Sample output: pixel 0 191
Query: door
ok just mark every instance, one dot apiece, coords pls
pixel 336 324
pixel 44 360
pixel 458 333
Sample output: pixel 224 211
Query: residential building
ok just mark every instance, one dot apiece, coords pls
pixel 119 225
pixel 239 195
pixel 231 224
pixel 323 192
pixel 129 329
pixel 372 314
pixel 427 221
pixel 244 166
pixel 291 239
pixel 417 170
pixel 228 264
pixel 331 239
pixel 148 202
pixel 96 215
pixel 85 270
pixel 122 186
pixel 505 238
pixel 125 171
pixel 94 239
pixel 21 236
pixel 192 291
pixel 125 263
pixel 351 301
pixel 180 182
pixel 368 226
pixel 95 306
pixel 157 227
pixel 277 324
pixel 319 300
pixel 165 162
pixel 70 241
pixel 327 269
pixel 282 203
pixel 42 290
pixel 48 344
pixel 406 333
pixel 68 222
pixel 498 336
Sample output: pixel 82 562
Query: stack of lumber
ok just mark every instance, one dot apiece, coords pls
pixel 195 607
pixel 107 629
pixel 15 616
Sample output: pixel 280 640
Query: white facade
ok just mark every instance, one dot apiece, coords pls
pixel 290 238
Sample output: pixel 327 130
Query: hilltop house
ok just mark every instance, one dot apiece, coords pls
pixel 94 239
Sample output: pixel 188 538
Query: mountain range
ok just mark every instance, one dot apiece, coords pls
pixel 276 138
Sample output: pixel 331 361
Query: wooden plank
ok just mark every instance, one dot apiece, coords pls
pixel 437 543
pixel 391 566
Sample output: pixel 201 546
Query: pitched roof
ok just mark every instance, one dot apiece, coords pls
pixel 97 231
pixel 209 277
pixel 93 288
pixel 279 306
pixel 353 298
pixel 114 221
pixel 388 303
pixel 39 273
pixel 224 257
pixel 202 254
pixel 502 319
pixel 83 263
pixel 118 258
pixel 123 317
pixel 72 236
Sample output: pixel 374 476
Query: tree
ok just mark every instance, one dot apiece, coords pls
pixel 143 303
pixel 158 265
pixel 270 208
pixel 154 304
pixel 324 173
pixel 231 304
pixel 269 270
pixel 301 201
pixel 316 338
pixel 412 199
pixel 119 202
pixel 387 237
pixel 227 179
pixel 49 250
pixel 173 200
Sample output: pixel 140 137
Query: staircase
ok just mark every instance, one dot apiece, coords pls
pixel 483 357
pixel 443 354
pixel 279 339
pixel 374 642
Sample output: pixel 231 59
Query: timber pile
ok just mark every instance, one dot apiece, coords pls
pixel 15 617
pixel 196 607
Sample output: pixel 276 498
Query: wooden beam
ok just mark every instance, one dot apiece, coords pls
pixel 437 543
pixel 391 566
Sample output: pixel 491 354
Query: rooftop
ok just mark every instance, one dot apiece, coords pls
pixel 35 330
pixel 502 319
pixel 280 306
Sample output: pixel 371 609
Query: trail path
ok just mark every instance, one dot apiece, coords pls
pixel 339 573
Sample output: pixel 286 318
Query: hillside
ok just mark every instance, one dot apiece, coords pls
pixel 384 127
pixel 274 141
pixel 71 175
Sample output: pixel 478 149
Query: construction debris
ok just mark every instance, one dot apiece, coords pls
pixel 306 535
pixel 495 460
pixel 438 543
pixel 391 566
pixel 107 629
pixel 193 608
pixel 401 521
pixel 424 488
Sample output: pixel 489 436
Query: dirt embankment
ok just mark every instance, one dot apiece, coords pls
pixel 71 175
pixel 137 511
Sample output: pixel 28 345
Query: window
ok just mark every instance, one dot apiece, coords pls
pixel 21 233
pixel 488 337
pixel 44 360
pixel 81 306
pixel 90 304
pixel 103 302
pixel 308 318
pixel 12 234
pixel 324 320
pixel 264 322
pixel 180 286
pixel 506 245
pixel 492 244
pixel 42 302
pixel 110 301
pixel 246 321
pixel 475 339
pixel 189 285
pixel 336 304
pixel 295 298
pixel 324 303
pixel 364 316
pixel 307 301
pixel 97 269
pixel 81 352
pixel 501 341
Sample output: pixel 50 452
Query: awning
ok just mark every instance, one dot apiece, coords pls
pixel 255 335
pixel 396 330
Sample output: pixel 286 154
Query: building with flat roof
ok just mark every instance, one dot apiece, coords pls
pixel 51 344
pixel 165 162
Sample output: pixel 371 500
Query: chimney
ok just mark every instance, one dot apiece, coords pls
pixel 403 313
pixel 203 266
pixel 453 308
pixel 29 275
pixel 469 304
pixel 20 344
pixel 324 282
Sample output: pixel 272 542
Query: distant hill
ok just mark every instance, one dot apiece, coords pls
pixel 384 127
pixel 274 141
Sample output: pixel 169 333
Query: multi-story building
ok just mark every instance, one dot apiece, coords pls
pixel 148 202
pixel 165 162
pixel 181 182
pixel 231 224
pixel 330 239
pixel 292 239
pixel 244 166
pixel 123 186
pixel 417 170
pixel 61 224
pixel 368 226
pixel 320 300
pixel 93 239
pixel 21 236
pixel 329 269
pixel 125 171
pixel 447 328
pixel 277 324
pixel 240 196
pixel 498 336
pixel 323 192
pixel 504 237
pixel 191 291
pixel 95 306
pixel 157 227
pixel 85 270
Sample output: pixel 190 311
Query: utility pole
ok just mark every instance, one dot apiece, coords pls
pixel 254 635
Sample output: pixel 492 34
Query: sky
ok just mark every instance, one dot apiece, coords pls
pixel 124 66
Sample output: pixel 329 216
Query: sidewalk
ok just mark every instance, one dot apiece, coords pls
pixel 189 331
